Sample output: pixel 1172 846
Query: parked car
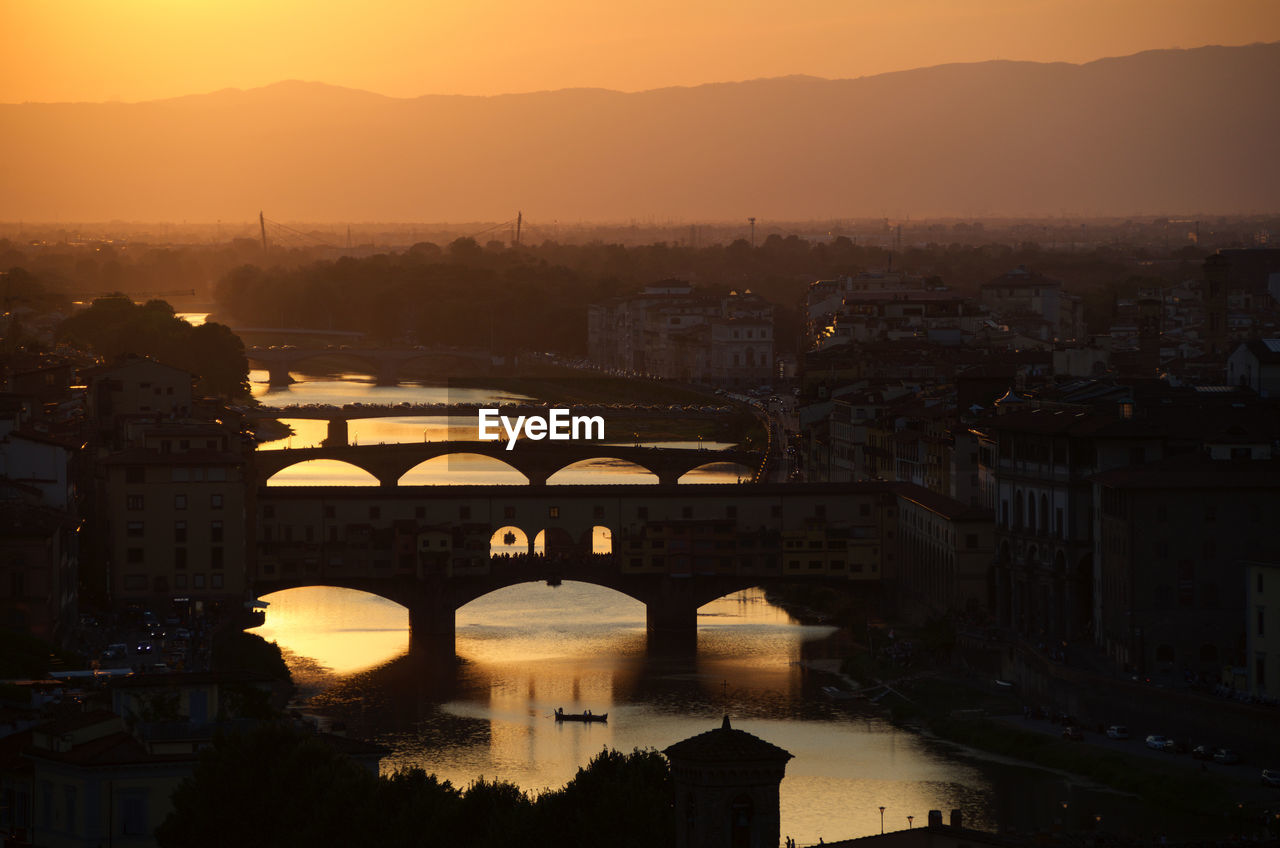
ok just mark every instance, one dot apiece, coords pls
pixel 1073 733
pixel 1159 743
pixel 1271 777
pixel 116 651
pixel 1203 752
pixel 1226 756
pixel 1117 731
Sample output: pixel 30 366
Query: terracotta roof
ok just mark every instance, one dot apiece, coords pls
pixel 943 505
pixel 114 749
pixel 725 745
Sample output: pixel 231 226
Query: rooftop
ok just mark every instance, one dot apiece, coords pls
pixel 725 745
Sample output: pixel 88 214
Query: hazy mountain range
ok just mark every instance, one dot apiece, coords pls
pixel 1170 131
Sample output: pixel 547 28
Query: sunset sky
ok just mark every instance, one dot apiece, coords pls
pixel 145 49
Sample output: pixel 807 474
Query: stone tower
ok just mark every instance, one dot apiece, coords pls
pixel 726 783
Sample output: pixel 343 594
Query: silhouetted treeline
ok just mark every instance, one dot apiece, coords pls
pixel 277 788
pixel 537 297
pixel 115 326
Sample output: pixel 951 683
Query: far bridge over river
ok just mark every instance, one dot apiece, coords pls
pixel 537 461
pixel 433 549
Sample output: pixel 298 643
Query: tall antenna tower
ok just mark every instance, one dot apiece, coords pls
pixel 519 221
pixel 262 223
pixel 753 231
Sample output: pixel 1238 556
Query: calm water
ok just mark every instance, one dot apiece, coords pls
pixel 355 388
pixel 528 649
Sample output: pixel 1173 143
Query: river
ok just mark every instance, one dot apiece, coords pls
pixel 528 649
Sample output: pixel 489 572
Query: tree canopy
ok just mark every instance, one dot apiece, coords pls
pixel 275 786
pixel 114 326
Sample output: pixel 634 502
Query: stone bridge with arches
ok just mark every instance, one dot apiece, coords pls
pixel 537 461
pixel 384 364
pixel 433 549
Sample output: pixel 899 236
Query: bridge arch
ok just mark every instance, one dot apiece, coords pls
pixel 587 471
pixel 718 471
pixel 333 472
pixel 476 467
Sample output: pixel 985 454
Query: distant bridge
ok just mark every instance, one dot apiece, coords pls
pixel 339 416
pixel 384 364
pixel 535 460
pixel 429 548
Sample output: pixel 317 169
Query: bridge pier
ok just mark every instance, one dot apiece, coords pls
pixel 388 373
pixel 278 374
pixel 339 433
pixel 672 624
pixel 432 628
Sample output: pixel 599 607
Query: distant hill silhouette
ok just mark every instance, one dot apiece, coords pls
pixel 1163 131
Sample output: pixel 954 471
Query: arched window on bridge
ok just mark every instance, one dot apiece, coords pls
pixel 556 541
pixel 599 540
pixel 510 541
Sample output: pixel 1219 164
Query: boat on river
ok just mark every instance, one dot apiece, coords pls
pixel 588 716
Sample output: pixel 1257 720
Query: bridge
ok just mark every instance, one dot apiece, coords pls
pixel 384 364
pixel 433 549
pixel 537 461
pixel 339 416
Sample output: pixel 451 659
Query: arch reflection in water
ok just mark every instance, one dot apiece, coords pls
pixel 459 469
pixel 602 470
pixel 322 472
pixel 338 631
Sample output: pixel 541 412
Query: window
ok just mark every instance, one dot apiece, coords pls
pixel 598 512
pixel 1262 620
pixel 197 582
pixel 179 501
pixel 179 558
pixel 215 557
pixel 133 502
pixel 134 529
pixel 215 502
pixel 1210 513
pixel 133 556
pixel 553 512
pixel 215 532
pixel 215 582
pixel 135 582
pixel 180 581
pixel 180 532
pixel 135 474
pixel 216 474
pixel 508 512
pixel 179 473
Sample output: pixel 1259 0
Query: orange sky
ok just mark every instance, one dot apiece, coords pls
pixel 91 50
